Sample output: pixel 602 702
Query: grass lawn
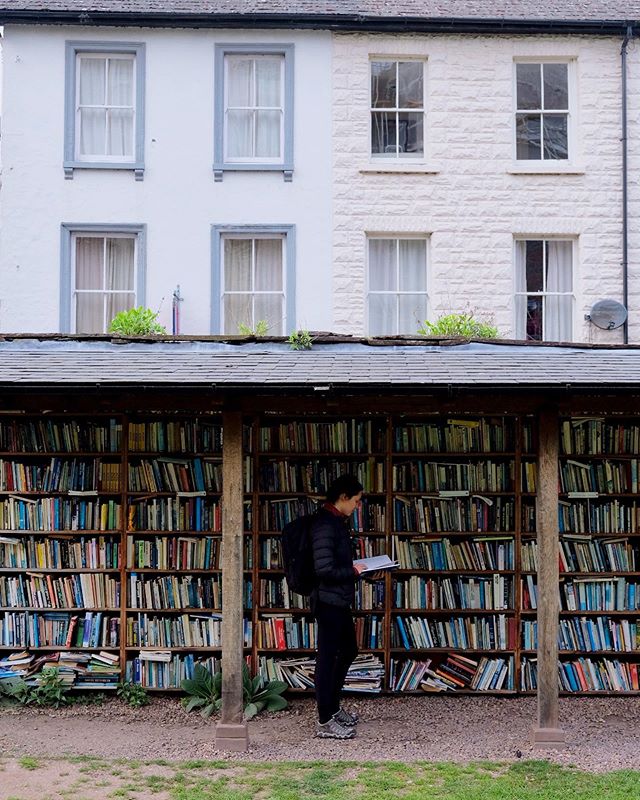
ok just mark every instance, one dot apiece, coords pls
pixel 234 780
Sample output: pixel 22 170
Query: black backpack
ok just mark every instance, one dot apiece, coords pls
pixel 297 554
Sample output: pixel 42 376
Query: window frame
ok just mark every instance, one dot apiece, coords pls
pixel 72 161
pixel 221 163
pixel 397 237
pixel 544 294
pixel 547 164
pixel 69 234
pixel 219 233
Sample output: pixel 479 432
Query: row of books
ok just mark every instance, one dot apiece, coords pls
pixel 82 590
pixel 589 634
pixel 60 436
pixel 483 435
pixel 176 514
pixel 173 592
pixel 177 552
pixel 60 475
pixel 584 436
pixel 599 675
pixel 458 673
pixel 76 669
pixel 166 670
pixel 340 436
pixel 314 477
pixel 176 436
pixel 437 476
pixel 275 514
pixel 366 673
pixel 599 516
pixel 97 552
pixel 59 629
pixel 579 553
pixel 469 514
pixel 182 630
pixel 607 477
pixel 479 553
pixel 463 591
pixel 495 632
pixel 165 474
pixel 59 514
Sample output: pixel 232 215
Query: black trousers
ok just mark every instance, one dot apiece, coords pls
pixel 337 648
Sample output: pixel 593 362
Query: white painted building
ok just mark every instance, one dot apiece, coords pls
pixel 317 170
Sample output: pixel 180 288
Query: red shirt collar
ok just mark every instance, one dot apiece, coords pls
pixel 327 506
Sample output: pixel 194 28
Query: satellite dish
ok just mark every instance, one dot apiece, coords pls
pixel 607 314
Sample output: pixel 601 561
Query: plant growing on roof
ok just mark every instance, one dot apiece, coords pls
pixel 138 321
pixel 300 340
pixel 261 328
pixel 465 325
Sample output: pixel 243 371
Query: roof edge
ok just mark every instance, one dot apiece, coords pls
pixel 332 22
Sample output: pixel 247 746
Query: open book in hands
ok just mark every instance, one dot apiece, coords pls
pixel 375 564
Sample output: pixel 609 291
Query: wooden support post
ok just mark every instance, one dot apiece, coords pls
pixel 548 733
pixel 231 731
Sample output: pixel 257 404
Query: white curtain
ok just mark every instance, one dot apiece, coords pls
pixel 383 285
pixel 253 284
pixel 397 285
pixel 269 279
pixel 106 106
pixel 92 93
pixel 254 107
pixel 120 118
pixel 558 317
pixel 239 139
pixel 412 277
pixel 268 98
pixel 93 276
pixel 521 287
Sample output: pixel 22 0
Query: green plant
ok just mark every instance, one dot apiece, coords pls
pixel 300 340
pixel 133 694
pixel 261 328
pixel 136 322
pixel 49 691
pixel 258 695
pixel 204 691
pixel 459 325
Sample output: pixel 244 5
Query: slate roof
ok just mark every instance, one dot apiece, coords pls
pixel 347 364
pixel 351 13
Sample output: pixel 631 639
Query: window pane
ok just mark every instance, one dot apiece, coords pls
pixel 413 312
pixel 237 311
pixel 383 132
pixel 237 265
pixel 239 76
pixel 555 136
pixel 556 86
pixel 521 316
pixel 528 88
pixel 240 134
pixel 413 272
pixel 120 124
pixel 117 303
pixel 382 314
pixel 120 260
pixel 120 91
pixel 534 318
pixel 90 313
pixel 382 265
pixel 92 131
pixel 268 71
pixel 410 133
pixel 534 266
pixel 528 136
pixel 89 263
pixel 559 266
pixel 383 84
pixel 268 265
pixel 268 134
pixel 92 80
pixel 410 84
pixel 557 312
pixel 269 308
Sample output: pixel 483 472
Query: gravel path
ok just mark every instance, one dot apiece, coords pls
pixel 602 733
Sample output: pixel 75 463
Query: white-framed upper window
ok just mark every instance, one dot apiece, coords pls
pixel 544 296
pixel 396 284
pixel 104 106
pixel 254 108
pixel 397 108
pixel 542 114
pixel 253 283
pixel 104 278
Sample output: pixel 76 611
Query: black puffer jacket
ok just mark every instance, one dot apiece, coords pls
pixel 332 560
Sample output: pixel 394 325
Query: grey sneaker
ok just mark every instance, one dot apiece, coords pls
pixel 348 719
pixel 333 730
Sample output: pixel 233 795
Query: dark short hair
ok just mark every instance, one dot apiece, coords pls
pixel 345 484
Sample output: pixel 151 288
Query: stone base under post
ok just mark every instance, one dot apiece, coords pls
pixel 549 738
pixel 232 736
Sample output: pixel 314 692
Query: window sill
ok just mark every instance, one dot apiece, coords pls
pixel 285 169
pixel 545 168
pixel 401 169
pixel 131 166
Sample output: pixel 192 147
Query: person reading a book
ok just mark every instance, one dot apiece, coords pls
pixel 331 602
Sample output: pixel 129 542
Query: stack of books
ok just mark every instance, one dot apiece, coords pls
pixel 365 674
pixel 455 672
pixel 15 665
pixel 102 671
